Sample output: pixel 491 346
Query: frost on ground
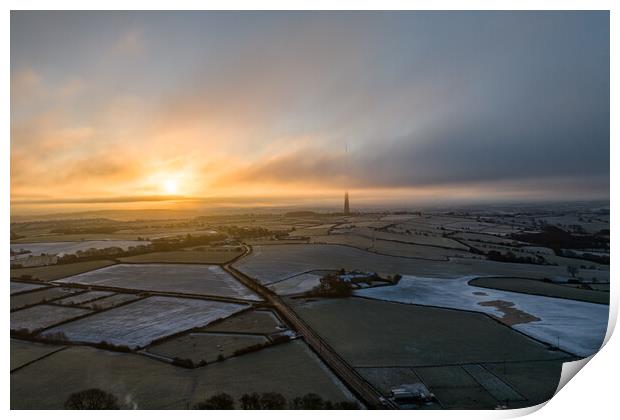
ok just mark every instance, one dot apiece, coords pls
pixel 296 285
pixel 138 324
pixel 17 287
pixel 84 297
pixel 576 327
pixel 43 316
pixel 210 280
pixel 271 263
pixel 62 248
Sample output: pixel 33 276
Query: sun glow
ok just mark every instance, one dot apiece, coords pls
pixel 170 186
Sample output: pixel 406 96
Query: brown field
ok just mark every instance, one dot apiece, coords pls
pixel 54 272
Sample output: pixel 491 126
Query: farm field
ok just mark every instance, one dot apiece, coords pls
pixel 269 263
pixel 455 388
pixel 537 287
pixel 83 298
pixel 485 238
pixel 136 381
pixel 24 352
pixel 249 322
pixel 40 296
pixel 140 382
pixel 574 326
pixel 54 272
pixel 209 280
pixel 197 257
pixel 139 323
pixel 108 302
pixel 416 346
pixel 43 316
pixel 419 239
pixel 390 247
pixel 417 335
pixel 291 369
pixel 296 285
pixel 17 287
pixel 478 333
pixel 67 247
pixel 536 380
pixel 205 346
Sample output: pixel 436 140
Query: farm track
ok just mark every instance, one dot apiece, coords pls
pixel 371 397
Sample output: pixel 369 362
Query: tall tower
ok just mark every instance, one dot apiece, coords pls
pixel 346 203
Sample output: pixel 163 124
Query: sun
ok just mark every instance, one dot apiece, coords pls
pixel 170 186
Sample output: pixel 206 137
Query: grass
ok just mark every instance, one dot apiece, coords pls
pixel 269 263
pixel 140 382
pixel 455 388
pixel 373 333
pixel 253 322
pixel 394 344
pixel 23 352
pixel 54 272
pixel 204 346
pixel 40 296
pixel 538 287
pixel 198 257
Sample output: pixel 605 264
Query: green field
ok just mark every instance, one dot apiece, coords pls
pixel 205 346
pixel 375 333
pixel 141 382
pixel 24 352
pixel 394 344
pixel 538 287
pixel 253 322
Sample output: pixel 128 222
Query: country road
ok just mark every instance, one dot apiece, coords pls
pixel 368 394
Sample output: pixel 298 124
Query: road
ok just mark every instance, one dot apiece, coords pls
pixel 369 395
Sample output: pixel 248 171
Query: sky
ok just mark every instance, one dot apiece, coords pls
pixel 144 109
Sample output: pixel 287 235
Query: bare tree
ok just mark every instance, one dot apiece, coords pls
pixel 91 399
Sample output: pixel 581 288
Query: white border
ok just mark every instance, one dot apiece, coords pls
pixel 591 394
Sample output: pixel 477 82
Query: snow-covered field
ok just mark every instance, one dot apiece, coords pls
pixel 297 284
pixel 183 278
pixel 17 287
pixel 62 248
pixel 270 263
pixel 138 324
pixel 83 297
pixel 578 327
pixel 43 316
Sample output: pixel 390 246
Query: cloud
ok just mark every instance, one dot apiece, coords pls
pixel 266 102
pixel 130 42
